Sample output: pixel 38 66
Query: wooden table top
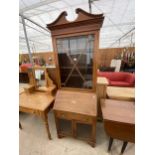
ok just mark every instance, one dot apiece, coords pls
pixel 37 100
pixel 22 86
pixel 122 93
pixel 118 111
pixel 76 102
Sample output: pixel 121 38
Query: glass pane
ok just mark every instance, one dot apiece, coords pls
pixel 75 56
pixel 84 130
pixel 40 78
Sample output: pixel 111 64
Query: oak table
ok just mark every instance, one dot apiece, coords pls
pixel 38 103
pixel 76 107
pixel 121 93
pixel 119 120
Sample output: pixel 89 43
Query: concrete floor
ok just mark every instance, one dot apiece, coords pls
pixel 33 140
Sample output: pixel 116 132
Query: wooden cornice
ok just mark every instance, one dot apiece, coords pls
pixel 83 19
pixel 78 11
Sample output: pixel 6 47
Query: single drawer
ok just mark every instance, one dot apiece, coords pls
pixel 86 119
pixel 63 115
pixel 76 117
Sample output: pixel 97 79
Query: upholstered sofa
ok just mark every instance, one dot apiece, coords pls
pixel 122 79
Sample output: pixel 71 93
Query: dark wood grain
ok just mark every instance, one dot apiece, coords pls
pixel 84 22
pixel 118 111
pixel 81 103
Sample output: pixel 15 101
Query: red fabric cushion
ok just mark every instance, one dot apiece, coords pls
pixel 130 78
pixel 119 83
pixel 119 78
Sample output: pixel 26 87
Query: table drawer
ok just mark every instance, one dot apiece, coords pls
pixel 71 116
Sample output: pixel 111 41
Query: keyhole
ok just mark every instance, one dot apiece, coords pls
pixel 75 59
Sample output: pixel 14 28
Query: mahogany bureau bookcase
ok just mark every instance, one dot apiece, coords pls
pixel 75 45
pixel 77 108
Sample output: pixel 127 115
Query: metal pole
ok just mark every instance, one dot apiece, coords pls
pixel 33 22
pixel 27 42
pixel 122 36
pixel 30 40
pixel 90 8
pixel 35 29
pixel 37 5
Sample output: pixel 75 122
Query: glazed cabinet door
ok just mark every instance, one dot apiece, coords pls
pixel 75 56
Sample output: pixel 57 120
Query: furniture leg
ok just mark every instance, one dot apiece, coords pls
pixel 45 118
pixel 124 146
pixel 59 135
pixel 20 126
pixel 93 134
pixel 57 126
pixel 74 129
pixel 101 91
pixel 110 144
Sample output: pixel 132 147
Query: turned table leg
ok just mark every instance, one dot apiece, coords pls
pixel 45 118
pixel 124 146
pixel 110 144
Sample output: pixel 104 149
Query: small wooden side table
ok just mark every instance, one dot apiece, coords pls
pixel 119 121
pixel 38 103
pixel 121 93
pixel 76 107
